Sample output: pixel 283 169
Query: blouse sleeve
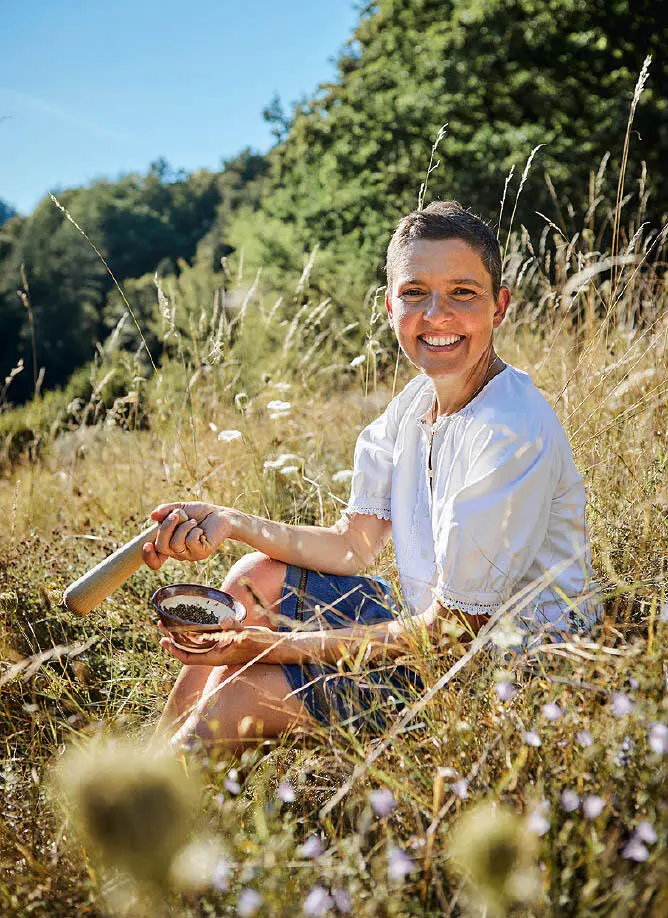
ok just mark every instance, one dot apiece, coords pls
pixel 488 533
pixel 371 484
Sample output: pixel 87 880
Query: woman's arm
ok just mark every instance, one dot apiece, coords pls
pixel 193 531
pixel 392 639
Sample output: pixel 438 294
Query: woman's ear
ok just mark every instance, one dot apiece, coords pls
pixel 502 304
pixel 388 305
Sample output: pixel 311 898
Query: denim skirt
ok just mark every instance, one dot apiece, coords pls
pixel 359 698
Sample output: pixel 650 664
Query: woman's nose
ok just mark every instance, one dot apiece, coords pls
pixel 438 306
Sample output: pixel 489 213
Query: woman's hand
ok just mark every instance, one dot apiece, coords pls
pixel 188 532
pixel 232 648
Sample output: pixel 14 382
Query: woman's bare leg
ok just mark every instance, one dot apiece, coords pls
pixel 241 706
pixel 265 577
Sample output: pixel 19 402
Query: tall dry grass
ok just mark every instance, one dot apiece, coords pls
pixel 562 748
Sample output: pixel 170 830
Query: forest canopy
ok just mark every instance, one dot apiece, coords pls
pixel 493 80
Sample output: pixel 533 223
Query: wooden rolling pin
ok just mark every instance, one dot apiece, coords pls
pixel 94 586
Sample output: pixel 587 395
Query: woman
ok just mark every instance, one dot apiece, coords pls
pixel 468 470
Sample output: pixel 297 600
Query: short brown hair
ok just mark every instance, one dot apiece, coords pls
pixel 448 220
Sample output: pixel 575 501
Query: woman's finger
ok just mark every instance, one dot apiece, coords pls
pixel 177 543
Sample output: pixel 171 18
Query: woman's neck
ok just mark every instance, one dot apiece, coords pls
pixel 453 394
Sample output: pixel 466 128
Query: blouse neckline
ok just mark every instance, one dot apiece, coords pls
pixel 425 417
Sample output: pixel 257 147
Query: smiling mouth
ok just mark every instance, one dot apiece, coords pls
pixel 441 342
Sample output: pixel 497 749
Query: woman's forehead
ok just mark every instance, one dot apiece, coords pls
pixel 442 259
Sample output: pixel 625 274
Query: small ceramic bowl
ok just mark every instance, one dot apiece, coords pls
pixel 205 603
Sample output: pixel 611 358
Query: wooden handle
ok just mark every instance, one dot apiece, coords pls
pixel 88 591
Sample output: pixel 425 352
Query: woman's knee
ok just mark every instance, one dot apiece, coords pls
pixel 256 580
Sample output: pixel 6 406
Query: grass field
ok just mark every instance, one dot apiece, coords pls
pixel 499 804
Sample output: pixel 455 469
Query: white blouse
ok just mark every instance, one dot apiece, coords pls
pixel 499 507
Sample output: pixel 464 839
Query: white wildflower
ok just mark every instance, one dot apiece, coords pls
pixel 399 863
pixel 382 802
pixel 584 739
pixel 645 832
pixel 657 738
pixel 358 361
pixel 228 435
pixel 312 848
pixel 635 850
pixel 531 738
pixel 593 806
pixel 621 704
pixel 460 789
pixel 538 823
pixel 289 470
pixel 286 792
pixel 318 902
pixel 342 475
pixel 505 690
pixel 248 902
pixel 551 711
pixel 342 900
pixel 569 800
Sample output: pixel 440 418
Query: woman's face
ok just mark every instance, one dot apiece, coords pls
pixel 442 306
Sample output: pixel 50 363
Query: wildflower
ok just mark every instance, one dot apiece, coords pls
pixel 342 475
pixel 623 756
pixel 248 902
pixel 569 800
pixel 382 802
pixel 592 806
pixel 312 847
pixel 531 738
pixel 399 863
pixel 551 711
pixel 657 738
pixel 278 409
pixel 584 739
pixel 318 902
pixel 460 789
pixel 231 782
pixel 288 470
pixel 286 792
pixel 506 634
pixel 492 847
pixel 135 808
pixel 621 704
pixel 358 361
pixel 538 823
pixel 342 900
pixel 505 690
pixel 221 875
pixel 228 435
pixel 634 683
pixel 645 832
pixel 635 850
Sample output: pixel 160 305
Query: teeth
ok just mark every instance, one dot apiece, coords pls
pixel 440 342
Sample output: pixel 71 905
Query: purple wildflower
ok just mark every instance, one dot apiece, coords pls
pixel 551 711
pixel 318 902
pixel 248 902
pixel 221 875
pixel 382 802
pixel 592 806
pixel 232 786
pixel 635 685
pixel 399 863
pixel 635 850
pixel 312 847
pixel 645 832
pixel 658 738
pixel 531 738
pixel 584 739
pixel 342 900
pixel 286 792
pixel 621 704
pixel 460 788
pixel 569 800
pixel 505 690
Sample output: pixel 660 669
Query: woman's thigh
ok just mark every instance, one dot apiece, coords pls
pixel 240 705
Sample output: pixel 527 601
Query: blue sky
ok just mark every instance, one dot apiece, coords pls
pixel 90 89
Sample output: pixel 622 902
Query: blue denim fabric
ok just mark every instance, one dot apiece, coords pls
pixel 363 699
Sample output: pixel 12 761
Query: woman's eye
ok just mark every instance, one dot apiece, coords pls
pixel 412 291
pixel 464 292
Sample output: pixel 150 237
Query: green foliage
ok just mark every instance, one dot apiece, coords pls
pixel 6 212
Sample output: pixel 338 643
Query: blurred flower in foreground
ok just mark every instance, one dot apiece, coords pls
pixel 551 711
pixel 342 900
pixel 493 849
pixel 399 864
pixel 134 807
pixel 531 738
pixel 199 865
pixel 382 802
pixel 620 704
pixel 312 847
pixel 506 634
pixel 248 902
pixel 278 409
pixel 537 821
pixel 505 690
pixel 658 738
pixel 635 850
pixel 342 475
pixel 592 806
pixel 318 902
pixel 646 832
pixel 286 792
pixel 584 739
pixel 358 361
pixel 569 801
pixel 228 435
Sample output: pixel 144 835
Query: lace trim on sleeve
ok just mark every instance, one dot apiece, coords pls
pixel 483 605
pixel 381 512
